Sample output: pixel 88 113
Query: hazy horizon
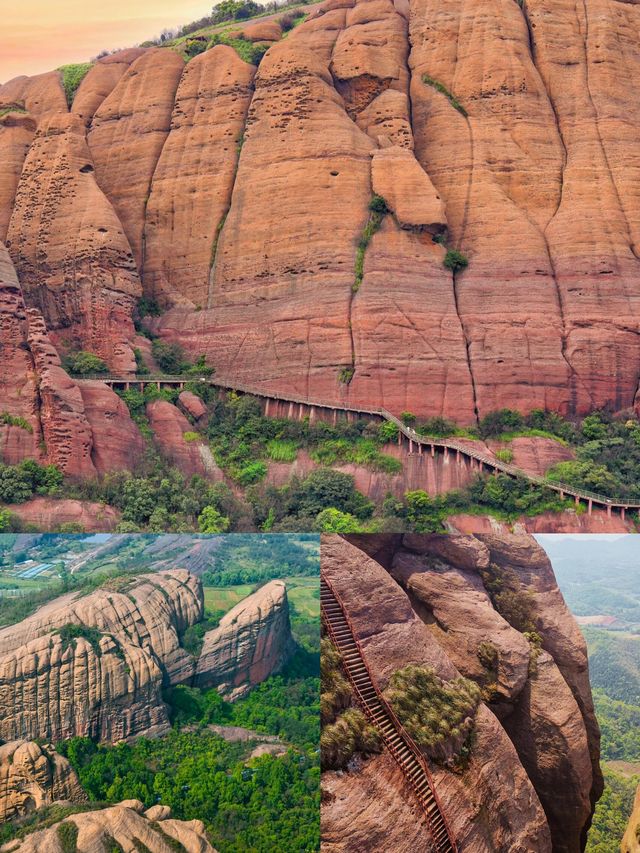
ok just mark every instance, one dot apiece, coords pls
pixel 37 36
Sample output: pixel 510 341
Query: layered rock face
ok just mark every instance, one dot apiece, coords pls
pixel 32 776
pixel 532 776
pixel 238 198
pixel 252 641
pixel 104 682
pixel 95 665
pixel 128 825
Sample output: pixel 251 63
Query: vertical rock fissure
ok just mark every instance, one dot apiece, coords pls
pixel 575 378
pixel 143 247
pixel 585 38
pixel 223 218
pixel 467 344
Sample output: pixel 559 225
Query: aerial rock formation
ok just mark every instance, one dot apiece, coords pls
pixel 96 665
pixel 32 776
pixel 103 679
pixel 252 641
pixel 126 825
pixel 532 777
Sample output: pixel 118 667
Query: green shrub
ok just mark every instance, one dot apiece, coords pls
pixel 438 427
pixel 378 204
pixel 488 655
pixel 346 374
pixel 170 358
pixel 15 420
pixel 407 418
pixel 455 260
pixel 72 76
pixel 211 520
pixel 510 598
pixel 505 455
pixel 251 473
pixel 495 424
pixel 433 711
pixel 141 367
pixel 387 431
pixel 435 84
pixel 194 47
pixel 68 837
pixel 190 436
pixel 331 520
pixel 349 734
pixel 70 632
pixel 82 363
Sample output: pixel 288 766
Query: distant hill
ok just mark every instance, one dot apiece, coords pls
pixel 598 575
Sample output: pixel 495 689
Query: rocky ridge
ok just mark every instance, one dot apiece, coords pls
pixel 127 825
pixel 119 646
pixel 532 776
pixel 252 641
pixel 32 776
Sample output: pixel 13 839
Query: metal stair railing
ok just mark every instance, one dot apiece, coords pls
pixel 400 744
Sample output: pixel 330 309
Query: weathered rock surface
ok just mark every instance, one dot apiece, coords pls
pixel 192 405
pixel 107 688
pixel 631 840
pixel 101 80
pixel 84 285
pixel 127 825
pixel 433 609
pixel 170 426
pixel 252 641
pixel 117 442
pixel 127 134
pixel 49 514
pixel 32 776
pixel 191 189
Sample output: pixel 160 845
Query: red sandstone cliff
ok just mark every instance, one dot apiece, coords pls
pixel 531 776
pixel 238 198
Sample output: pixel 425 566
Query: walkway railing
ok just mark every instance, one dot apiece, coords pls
pixel 398 741
pixel 414 437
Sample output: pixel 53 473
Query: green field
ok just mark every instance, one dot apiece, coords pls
pixel 303 592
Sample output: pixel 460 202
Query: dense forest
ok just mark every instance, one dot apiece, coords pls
pixel 262 803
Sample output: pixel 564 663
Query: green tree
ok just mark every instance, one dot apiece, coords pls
pixel 212 521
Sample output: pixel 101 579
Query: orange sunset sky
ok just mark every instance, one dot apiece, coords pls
pixel 38 35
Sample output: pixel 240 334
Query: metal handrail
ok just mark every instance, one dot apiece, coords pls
pixel 404 734
pixel 408 432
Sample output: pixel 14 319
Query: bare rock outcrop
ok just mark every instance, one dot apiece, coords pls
pixel 104 678
pixel 190 454
pixel 191 191
pixel 432 606
pixel 85 284
pixel 252 641
pixel 631 839
pixel 43 513
pixel 127 825
pixel 32 776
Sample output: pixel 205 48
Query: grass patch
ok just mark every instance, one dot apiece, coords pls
pixel 5 109
pixel 346 375
pixel 377 211
pixel 432 710
pixel 440 87
pixel 282 450
pixel 72 76
pixel 246 50
pixel 15 420
pixel 68 837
